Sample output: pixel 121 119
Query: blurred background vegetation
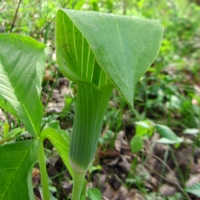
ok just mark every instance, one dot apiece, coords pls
pixel 168 94
pixel 170 91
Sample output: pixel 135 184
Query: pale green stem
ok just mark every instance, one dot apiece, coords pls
pixel 90 107
pixel 43 172
pixel 91 104
pixel 78 180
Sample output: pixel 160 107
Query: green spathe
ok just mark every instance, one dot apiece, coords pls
pixel 91 104
pixel 123 47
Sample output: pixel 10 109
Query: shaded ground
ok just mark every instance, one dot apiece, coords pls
pixel 157 172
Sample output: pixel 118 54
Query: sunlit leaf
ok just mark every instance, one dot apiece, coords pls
pixel 22 62
pixel 191 131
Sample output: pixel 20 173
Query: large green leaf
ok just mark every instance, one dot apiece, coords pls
pixel 123 47
pixel 60 139
pixel 16 162
pixel 22 62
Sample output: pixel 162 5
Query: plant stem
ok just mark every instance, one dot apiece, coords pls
pixel 43 172
pixel 78 180
pixel 90 107
pixel 15 17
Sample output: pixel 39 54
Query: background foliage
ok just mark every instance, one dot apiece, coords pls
pixel 172 83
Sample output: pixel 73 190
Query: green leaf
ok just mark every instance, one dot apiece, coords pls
pixel 144 128
pixel 136 143
pixel 168 134
pixel 22 62
pixel 194 189
pixel 16 162
pixel 60 139
pixel 94 194
pixel 114 47
pixel 6 128
pixel 12 134
pixel 6 105
pixel 191 131
pixel 169 141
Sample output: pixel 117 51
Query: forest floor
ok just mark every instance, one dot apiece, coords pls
pixel 158 171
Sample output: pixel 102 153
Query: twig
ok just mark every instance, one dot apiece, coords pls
pixel 175 182
pixel 124 7
pixel 49 22
pixel 15 17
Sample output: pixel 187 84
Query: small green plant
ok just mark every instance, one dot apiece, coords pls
pixel 99 52
pixel 145 129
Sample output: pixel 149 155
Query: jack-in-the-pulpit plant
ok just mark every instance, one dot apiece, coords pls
pixel 100 51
